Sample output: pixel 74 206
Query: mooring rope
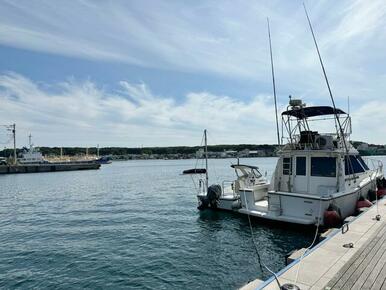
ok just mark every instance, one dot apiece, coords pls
pixel 261 263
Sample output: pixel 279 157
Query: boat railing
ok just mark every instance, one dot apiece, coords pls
pixel 293 142
pixel 226 185
pixel 201 190
pixel 374 164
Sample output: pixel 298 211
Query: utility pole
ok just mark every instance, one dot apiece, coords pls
pixel 14 144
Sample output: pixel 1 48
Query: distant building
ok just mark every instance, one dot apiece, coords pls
pixel 244 153
pixel 200 153
pixel 228 154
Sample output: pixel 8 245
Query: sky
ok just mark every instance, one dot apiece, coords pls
pixel 157 73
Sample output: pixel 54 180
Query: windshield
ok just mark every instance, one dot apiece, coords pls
pixel 244 172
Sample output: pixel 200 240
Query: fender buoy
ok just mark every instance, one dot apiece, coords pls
pixel 362 202
pixel 381 192
pixel 332 217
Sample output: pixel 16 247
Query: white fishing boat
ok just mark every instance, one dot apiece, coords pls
pixel 316 172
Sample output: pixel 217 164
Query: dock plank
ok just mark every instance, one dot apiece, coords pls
pixel 356 273
pixel 374 273
pixel 343 275
pixel 379 281
pixel 370 267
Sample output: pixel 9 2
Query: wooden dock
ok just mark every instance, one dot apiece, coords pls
pixel 334 264
pixel 367 267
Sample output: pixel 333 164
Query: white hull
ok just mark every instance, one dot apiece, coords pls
pixel 295 208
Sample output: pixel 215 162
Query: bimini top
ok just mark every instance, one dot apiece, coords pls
pixel 307 112
pixel 244 166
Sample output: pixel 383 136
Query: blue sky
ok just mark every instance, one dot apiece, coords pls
pixel 156 73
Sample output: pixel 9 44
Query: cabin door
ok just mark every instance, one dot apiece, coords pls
pixel 300 176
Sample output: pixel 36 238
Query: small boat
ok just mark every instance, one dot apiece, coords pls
pixel 227 195
pixel 103 160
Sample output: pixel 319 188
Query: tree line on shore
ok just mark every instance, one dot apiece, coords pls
pixel 269 150
pixel 71 151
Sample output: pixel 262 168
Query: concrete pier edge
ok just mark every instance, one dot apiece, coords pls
pixel 270 281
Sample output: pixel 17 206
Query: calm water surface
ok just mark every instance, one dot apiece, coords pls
pixel 131 224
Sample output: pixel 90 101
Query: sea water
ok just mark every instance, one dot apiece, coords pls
pixel 132 224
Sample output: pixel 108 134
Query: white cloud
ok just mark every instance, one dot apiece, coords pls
pixel 72 113
pixel 223 38
pixel 82 114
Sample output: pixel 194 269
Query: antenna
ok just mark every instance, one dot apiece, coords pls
pixel 30 140
pixel 273 82
pixel 326 79
pixel 348 105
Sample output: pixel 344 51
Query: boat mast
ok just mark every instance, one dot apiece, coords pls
pixel 273 83
pixel 206 161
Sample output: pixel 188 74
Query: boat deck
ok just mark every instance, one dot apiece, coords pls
pixel 332 264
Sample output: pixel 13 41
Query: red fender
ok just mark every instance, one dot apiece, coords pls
pixel 332 218
pixel 364 203
pixel 381 192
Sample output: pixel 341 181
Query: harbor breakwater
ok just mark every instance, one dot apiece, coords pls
pixel 33 168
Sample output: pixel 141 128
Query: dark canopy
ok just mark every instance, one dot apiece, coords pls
pixel 243 165
pixel 307 112
pixel 194 171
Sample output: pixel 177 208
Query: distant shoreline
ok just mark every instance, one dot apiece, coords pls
pixel 185 152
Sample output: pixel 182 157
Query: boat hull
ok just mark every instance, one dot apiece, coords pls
pixel 304 209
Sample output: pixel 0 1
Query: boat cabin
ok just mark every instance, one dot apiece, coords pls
pixel 315 163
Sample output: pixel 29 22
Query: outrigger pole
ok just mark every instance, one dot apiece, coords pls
pixel 327 82
pixel 273 84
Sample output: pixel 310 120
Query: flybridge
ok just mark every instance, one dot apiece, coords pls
pixel 300 135
pixel 307 112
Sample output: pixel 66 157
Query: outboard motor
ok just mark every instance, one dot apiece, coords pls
pixel 204 203
pixel 213 195
pixel 211 198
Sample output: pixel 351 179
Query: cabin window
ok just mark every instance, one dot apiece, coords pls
pixel 362 162
pixel 287 166
pixel 352 165
pixel 300 165
pixel 323 166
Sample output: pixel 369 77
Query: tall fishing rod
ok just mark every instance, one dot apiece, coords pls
pixel 326 79
pixel 273 83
